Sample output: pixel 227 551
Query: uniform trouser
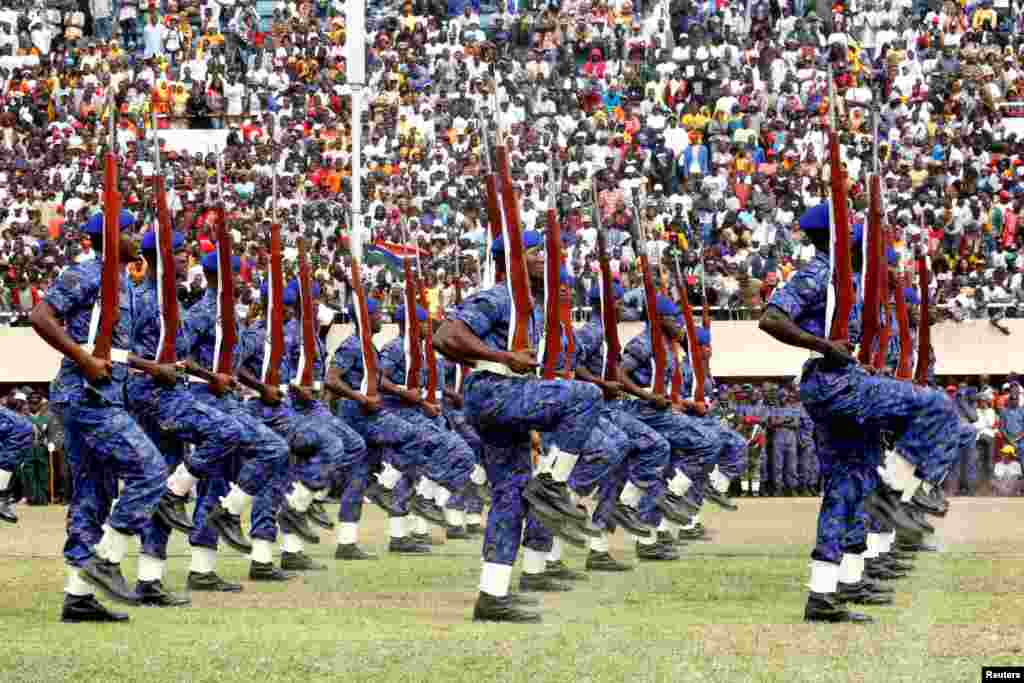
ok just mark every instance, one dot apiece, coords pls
pixel 318 453
pixel 469 501
pixel 808 462
pixel 16 436
pixel 731 460
pixel 103 445
pixel 784 455
pixel 504 410
pixel 210 490
pixel 445 458
pixel 354 471
pixel 848 459
pixel 923 421
pixel 963 473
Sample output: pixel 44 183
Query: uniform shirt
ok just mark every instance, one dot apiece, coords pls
pixel 804 299
pixel 200 326
pixel 638 361
pixel 393 363
pixel 293 349
pixel 488 315
pixel 710 387
pixel 348 360
pixel 591 346
pixel 73 297
pixel 1011 419
pixel 250 348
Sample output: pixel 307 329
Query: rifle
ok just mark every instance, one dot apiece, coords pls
pixel 840 220
pixel 227 331
pixel 651 301
pixel 495 224
pixel 552 346
pixel 692 343
pixel 428 338
pixel 273 352
pixel 368 387
pixel 515 256
pixel 461 369
pixel 413 343
pixel 110 280
pixel 307 353
pixel 166 279
pixel 874 266
pixel 609 313
pixel 904 369
pixel 924 336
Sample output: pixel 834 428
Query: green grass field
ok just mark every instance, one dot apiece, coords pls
pixel 730 610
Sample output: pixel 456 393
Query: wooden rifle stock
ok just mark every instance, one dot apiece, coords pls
pixel 305 378
pixel 110 280
pixel 874 271
pixel 609 312
pixel 414 344
pixel 552 304
pixel 924 334
pixel 515 256
pixel 692 343
pixel 653 320
pixel 841 265
pixel 904 369
pixel 227 330
pixel 274 350
pixel 369 351
pixel 428 350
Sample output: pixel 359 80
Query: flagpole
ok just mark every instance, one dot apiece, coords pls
pixel 355 59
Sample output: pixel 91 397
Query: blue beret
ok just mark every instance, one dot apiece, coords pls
pixel 858 233
pixel 291 292
pixel 666 306
pixel 891 256
pixel 372 306
pixel 531 239
pixel 910 294
pixel 94 226
pixel 618 291
pixel 211 263
pixel 703 337
pixel 816 218
pixel 565 278
pixel 421 314
pixel 149 241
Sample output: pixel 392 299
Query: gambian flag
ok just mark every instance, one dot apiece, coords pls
pixel 390 254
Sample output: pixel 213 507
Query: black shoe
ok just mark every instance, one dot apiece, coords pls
pixel 884 505
pixel 667 538
pixel 567 529
pixel 698 533
pixel 153 594
pixel 318 515
pixel 860 594
pixel 85 608
pixel 299 562
pixel 172 513
pixel 294 522
pixel 107 577
pixel 604 562
pixel 381 497
pixel 926 503
pixel 877 586
pixel 675 508
pixel 918 515
pixel 230 528
pixel 523 600
pixel 629 519
pixel 407 546
pixel 456 533
pixel 788 493
pixel 544 492
pixel 879 572
pixel 900 556
pixel 423 539
pixel 266 571
pixel 475 529
pixel 541 583
pixel 895 564
pixel 656 552
pixel 560 570
pixel 7 513
pixel 491 608
pixel 720 499
pixel 428 510
pixel 351 551
pixel 916 546
pixel 211 583
pixel 826 608
pixel 938 496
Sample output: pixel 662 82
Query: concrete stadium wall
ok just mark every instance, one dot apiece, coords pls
pixel 740 350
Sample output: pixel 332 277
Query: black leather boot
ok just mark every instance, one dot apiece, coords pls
pixel 294 522
pixel 604 562
pixel 7 513
pixel 557 569
pixel 825 607
pixel 230 528
pixel 491 608
pixel 210 582
pixel 80 609
pixel 318 515
pixel 107 577
pixel 299 562
pixel 171 512
pixel 351 551
pixel 266 571
pixel 153 594
pixel 541 583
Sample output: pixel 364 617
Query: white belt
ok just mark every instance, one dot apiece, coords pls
pixel 317 386
pixel 196 380
pixel 816 354
pixel 116 355
pixel 496 368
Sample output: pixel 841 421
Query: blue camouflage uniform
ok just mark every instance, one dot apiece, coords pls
pixel 809 472
pixel 692 443
pixel 649 452
pixel 103 442
pixel 1011 422
pixel 320 452
pixel 444 457
pixel 200 332
pixel 851 408
pixel 469 501
pixel 785 443
pixel 16 437
pixel 504 409
pixel 732 447
pixel 171 416
pixel 965 469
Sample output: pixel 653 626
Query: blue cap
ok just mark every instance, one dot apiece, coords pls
pixel 421 314
pixel 816 218
pixel 666 306
pixel 565 278
pixel 703 337
pixel 858 233
pixel 372 306
pixel 149 241
pixel 94 226
pixel 892 256
pixel 618 291
pixel 211 262
pixel 910 294
pixel 531 239
pixel 291 292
